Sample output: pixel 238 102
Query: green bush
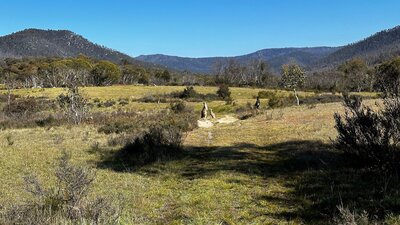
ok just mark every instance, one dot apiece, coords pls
pixel 179 107
pixel 224 93
pixel 159 143
pixel 188 92
pixel 162 141
pixel 275 102
pixel 371 137
pixel 267 94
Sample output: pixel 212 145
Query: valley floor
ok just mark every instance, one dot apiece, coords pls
pixel 256 171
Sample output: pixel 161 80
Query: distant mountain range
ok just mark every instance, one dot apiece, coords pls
pixel 64 43
pixel 275 57
pixel 375 48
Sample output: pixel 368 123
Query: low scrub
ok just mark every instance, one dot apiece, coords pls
pixel 154 99
pixel 116 127
pixel 26 107
pixel 181 107
pixel 191 95
pixel 267 94
pixel 159 143
pixel 347 217
pixel 244 113
pixel 224 93
pixel 65 203
pixel 372 137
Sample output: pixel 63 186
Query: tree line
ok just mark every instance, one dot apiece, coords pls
pixel 353 75
pixel 57 72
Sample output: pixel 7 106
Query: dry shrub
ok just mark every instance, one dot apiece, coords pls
pixel 74 105
pixel 161 142
pixel 371 137
pixel 26 107
pixel 65 203
pixel 347 217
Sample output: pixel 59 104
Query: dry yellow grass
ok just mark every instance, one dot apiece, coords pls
pixel 234 173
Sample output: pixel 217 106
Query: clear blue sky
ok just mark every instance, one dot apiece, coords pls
pixel 205 27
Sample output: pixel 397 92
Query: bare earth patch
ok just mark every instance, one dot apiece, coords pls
pixel 205 123
pixel 227 119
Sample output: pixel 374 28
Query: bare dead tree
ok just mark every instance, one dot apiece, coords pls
pixel 10 84
pixel 73 103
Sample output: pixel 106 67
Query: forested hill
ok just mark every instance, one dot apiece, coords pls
pixel 376 48
pixel 63 43
pixel 275 57
pixel 55 43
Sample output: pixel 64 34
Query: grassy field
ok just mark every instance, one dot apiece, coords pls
pixel 133 93
pixel 275 168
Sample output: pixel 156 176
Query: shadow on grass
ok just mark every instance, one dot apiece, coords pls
pixel 321 177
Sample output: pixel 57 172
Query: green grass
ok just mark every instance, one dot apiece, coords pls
pixel 255 171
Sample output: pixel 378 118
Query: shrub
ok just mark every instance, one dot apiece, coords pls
pixel 120 140
pixel 9 139
pixel 267 94
pixel 372 137
pixel 224 92
pixel 123 102
pixel 109 103
pixel 244 113
pixel 160 143
pixel 74 105
pixel 6 97
pixel 66 203
pixel 189 92
pixel 346 217
pixel 96 100
pixel 275 101
pixel 116 127
pixel 22 107
pixel 46 121
pixel 179 107
pixel 153 98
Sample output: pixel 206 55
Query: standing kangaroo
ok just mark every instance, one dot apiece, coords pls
pixel 258 103
pixel 212 114
pixel 204 111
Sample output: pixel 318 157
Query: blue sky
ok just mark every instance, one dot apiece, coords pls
pixel 205 27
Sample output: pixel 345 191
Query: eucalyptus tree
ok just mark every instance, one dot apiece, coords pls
pixel 293 77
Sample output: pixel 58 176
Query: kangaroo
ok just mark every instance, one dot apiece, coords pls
pixel 258 103
pixel 204 111
pixel 212 114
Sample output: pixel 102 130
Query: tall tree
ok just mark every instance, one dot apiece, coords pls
pixel 105 73
pixel 293 77
pixel 356 76
pixel 388 76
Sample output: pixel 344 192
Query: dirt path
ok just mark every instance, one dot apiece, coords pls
pixel 204 123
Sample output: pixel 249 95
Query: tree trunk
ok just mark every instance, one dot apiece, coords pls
pixel 297 97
